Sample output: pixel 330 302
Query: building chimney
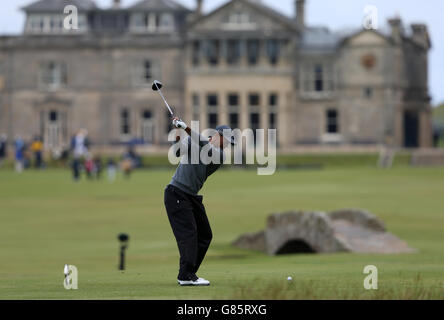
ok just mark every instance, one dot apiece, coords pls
pixel 116 4
pixel 199 4
pixel 300 14
pixel 397 29
pixel 420 35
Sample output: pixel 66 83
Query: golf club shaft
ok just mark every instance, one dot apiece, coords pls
pixel 164 100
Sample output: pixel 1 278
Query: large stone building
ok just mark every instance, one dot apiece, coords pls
pixel 243 64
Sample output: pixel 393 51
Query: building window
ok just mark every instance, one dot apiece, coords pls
pixel 212 100
pixel 146 71
pixel 35 24
pixel 83 24
pixel 166 22
pixel 272 120
pixel 196 107
pixel 139 21
pixel 253 49
pixel 238 20
pixel 52 24
pixel 55 23
pixel 254 120
pixel 212 120
pixel 317 78
pixel 212 103
pixel 151 22
pixel 368 93
pixel 146 114
pixel 53 116
pixel 234 120
pixel 233 104
pixel 53 75
pixel 233 51
pixel 233 100
pixel 273 51
pixel 273 100
pixel 213 52
pixel 332 121
pixel 125 127
pixel 147 126
pixel 253 99
pixel 254 123
pixel 196 53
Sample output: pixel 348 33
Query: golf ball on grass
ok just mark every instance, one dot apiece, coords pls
pixel 289 278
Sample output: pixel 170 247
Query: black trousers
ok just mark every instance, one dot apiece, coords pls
pixel 76 168
pixel 191 228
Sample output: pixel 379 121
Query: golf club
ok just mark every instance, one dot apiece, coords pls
pixel 157 85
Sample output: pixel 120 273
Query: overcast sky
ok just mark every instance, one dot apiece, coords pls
pixel 336 14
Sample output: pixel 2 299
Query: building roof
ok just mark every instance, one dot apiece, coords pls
pixel 269 10
pixel 158 5
pixel 319 38
pixel 59 5
pixel 266 10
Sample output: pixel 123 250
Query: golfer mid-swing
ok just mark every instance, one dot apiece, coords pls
pixel 184 206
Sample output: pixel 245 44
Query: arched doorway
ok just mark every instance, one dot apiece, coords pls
pixel 295 246
pixel 147 126
pixel 54 126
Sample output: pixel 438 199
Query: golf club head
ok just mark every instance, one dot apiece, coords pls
pixel 157 85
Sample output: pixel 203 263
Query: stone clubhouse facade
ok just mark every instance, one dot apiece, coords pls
pixel 243 64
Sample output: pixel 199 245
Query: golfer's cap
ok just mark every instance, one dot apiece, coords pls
pixel 226 132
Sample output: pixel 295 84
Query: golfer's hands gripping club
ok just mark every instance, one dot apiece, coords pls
pixel 178 123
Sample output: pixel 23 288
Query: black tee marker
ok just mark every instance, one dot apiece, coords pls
pixel 123 238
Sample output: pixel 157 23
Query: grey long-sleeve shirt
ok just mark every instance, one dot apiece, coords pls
pixel 190 177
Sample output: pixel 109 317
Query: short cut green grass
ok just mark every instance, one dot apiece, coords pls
pixel 48 221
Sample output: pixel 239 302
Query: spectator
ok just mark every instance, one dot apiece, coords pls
pixel 98 166
pixel 129 162
pixel 89 167
pixel 37 148
pixel 79 148
pixel 3 146
pixel 127 167
pixel 19 154
pixel 111 170
pixel 26 156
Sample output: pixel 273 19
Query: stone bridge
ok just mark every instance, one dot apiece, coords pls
pixel 348 230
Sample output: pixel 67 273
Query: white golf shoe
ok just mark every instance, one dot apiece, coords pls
pixel 197 282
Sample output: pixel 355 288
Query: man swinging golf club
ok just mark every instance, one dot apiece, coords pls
pixel 184 206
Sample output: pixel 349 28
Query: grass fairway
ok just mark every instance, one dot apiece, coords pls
pixel 48 221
